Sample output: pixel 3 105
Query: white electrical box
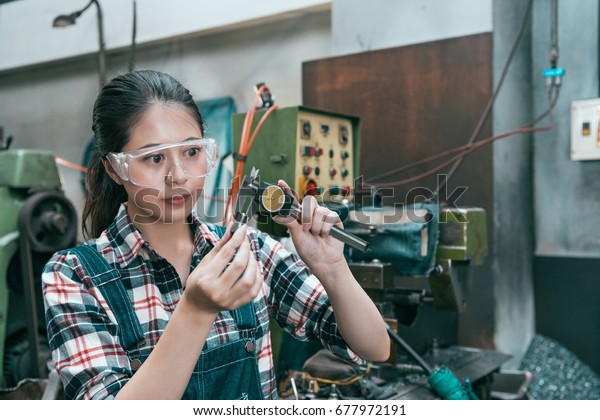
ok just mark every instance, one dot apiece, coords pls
pixel 585 129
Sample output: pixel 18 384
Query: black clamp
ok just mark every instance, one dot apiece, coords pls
pixel 237 156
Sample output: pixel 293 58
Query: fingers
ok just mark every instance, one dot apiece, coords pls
pixel 288 221
pixel 309 205
pixel 226 248
pixel 247 287
pixel 330 219
pixel 317 219
pixel 226 237
pixel 238 264
pixel 287 189
pixel 222 253
pixel 231 279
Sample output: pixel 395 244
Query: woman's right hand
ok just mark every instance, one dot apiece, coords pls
pixel 214 285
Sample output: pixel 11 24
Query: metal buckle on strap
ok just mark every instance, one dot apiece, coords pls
pixel 135 364
pixel 250 346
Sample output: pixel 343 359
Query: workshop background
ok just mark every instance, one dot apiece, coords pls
pixel 540 276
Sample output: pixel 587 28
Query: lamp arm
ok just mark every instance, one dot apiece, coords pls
pixel 101 50
pixel 79 12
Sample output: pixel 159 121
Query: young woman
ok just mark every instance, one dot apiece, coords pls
pixel 161 305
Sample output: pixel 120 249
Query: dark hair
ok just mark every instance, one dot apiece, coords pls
pixel 120 104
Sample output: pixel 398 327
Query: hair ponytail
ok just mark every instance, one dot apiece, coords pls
pixel 104 196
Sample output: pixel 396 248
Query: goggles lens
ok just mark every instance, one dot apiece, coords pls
pixel 153 166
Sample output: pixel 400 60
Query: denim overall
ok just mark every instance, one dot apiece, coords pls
pixel 227 372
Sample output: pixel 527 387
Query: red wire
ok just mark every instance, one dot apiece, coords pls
pixel 465 150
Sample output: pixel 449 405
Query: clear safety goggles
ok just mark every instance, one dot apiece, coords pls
pixel 155 165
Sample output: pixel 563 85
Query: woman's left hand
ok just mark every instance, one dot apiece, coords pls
pixel 316 247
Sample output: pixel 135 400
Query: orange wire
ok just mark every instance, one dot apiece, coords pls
pixel 259 125
pixel 243 151
pixel 70 164
pixel 248 145
pixel 245 145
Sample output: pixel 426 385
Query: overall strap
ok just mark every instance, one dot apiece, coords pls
pixel 107 279
pixel 245 317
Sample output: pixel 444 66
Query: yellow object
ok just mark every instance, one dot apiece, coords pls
pixel 316 380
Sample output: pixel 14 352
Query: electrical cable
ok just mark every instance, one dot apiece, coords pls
pixel 490 103
pixel 472 145
pixel 259 125
pixel 69 164
pixel 246 143
pixel 481 121
pixel 467 148
pixel 236 181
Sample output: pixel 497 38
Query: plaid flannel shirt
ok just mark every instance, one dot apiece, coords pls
pixel 82 330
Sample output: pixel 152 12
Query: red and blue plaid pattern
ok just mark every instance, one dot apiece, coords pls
pixel 82 330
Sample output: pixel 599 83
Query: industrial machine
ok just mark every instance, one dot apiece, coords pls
pixel 416 267
pixel 37 220
pixel 418 270
pixel 316 151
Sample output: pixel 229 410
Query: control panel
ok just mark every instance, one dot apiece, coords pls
pixel 324 164
pixel 585 129
pixel 315 151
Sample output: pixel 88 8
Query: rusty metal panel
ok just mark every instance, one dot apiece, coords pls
pixel 415 101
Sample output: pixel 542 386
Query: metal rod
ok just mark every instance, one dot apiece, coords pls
pixel 79 12
pixel 349 239
pixel 131 64
pixel 101 52
pixel 420 361
pixel 339 234
pixel 554 35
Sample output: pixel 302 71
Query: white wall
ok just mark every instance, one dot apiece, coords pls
pixel 360 25
pixel 27 37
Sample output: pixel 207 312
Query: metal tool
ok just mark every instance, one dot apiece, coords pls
pixel 294 388
pixel 408 349
pixel 273 200
pixel 246 205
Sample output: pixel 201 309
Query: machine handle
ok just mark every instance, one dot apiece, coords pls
pixel 415 356
pixel 349 239
pixel 337 233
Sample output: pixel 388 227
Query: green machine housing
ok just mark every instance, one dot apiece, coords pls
pixel 30 195
pixel 315 151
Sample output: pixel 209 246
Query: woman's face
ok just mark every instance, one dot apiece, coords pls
pixel 170 201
